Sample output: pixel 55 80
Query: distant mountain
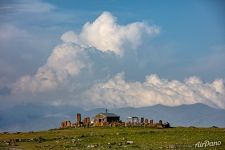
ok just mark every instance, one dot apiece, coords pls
pixel 28 117
pixel 199 115
pixel 39 117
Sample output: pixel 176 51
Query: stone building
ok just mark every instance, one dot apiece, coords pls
pixel 78 119
pixel 105 118
pixel 87 121
pixel 65 124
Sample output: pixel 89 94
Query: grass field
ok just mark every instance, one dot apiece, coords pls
pixel 115 138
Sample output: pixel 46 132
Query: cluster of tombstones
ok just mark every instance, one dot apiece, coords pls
pixel 147 123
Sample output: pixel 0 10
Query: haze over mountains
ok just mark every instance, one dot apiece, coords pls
pixel 42 117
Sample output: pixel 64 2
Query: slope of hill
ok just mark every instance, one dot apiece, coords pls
pixel 116 138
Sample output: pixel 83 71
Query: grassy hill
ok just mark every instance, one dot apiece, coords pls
pixel 114 138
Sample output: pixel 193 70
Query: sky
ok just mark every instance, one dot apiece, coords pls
pixel 112 53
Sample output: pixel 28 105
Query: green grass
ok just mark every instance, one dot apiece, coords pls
pixel 116 138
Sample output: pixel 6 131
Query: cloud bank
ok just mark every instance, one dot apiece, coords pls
pixel 117 92
pixel 65 61
pixel 69 58
pixel 106 34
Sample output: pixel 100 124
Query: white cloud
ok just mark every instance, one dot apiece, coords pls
pixel 117 92
pixel 66 61
pixel 69 58
pixel 106 34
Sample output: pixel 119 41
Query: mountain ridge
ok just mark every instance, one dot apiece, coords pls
pixel 24 118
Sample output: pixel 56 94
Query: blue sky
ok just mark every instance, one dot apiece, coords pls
pixel 189 44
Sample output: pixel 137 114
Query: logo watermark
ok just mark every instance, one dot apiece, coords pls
pixel 207 143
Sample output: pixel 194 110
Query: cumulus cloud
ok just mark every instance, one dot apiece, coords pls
pixel 69 58
pixel 65 61
pixel 117 92
pixel 106 34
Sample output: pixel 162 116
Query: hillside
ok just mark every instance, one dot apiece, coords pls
pixel 116 138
